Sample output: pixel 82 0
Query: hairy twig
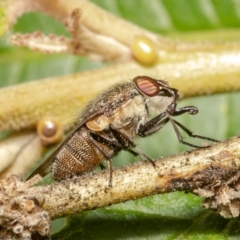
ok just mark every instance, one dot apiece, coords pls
pixel 62 97
pixel 212 172
pixel 101 35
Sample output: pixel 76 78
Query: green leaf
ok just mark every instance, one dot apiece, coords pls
pixel 167 216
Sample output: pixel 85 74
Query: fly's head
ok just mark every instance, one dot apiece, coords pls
pixel 158 95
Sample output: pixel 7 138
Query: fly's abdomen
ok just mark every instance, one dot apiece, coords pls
pixel 78 155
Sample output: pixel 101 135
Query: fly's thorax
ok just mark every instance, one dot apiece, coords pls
pixel 126 117
pixel 129 116
pixel 158 104
pixel 132 111
pixel 110 100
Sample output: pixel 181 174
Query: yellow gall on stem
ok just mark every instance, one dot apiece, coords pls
pixel 144 51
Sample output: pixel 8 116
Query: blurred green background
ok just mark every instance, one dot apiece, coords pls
pixel 168 216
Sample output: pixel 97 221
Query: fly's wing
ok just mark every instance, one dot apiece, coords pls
pixel 97 109
pixel 45 167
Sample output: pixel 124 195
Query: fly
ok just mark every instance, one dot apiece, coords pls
pixel 111 122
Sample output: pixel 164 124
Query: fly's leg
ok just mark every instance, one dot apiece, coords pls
pixel 102 166
pixel 122 138
pixel 111 143
pixel 153 125
pixel 173 111
pixel 180 137
pixel 189 133
pixel 192 111
pixel 110 173
pixel 159 121
pixel 128 143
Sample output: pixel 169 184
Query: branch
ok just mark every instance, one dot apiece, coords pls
pixel 58 97
pixel 103 36
pixel 212 172
pixel 205 169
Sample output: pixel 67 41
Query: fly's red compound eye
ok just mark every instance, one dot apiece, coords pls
pixel 147 85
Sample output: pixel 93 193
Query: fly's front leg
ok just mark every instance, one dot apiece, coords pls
pixel 153 125
pixel 159 121
pixel 192 111
pixel 189 133
pixel 173 111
